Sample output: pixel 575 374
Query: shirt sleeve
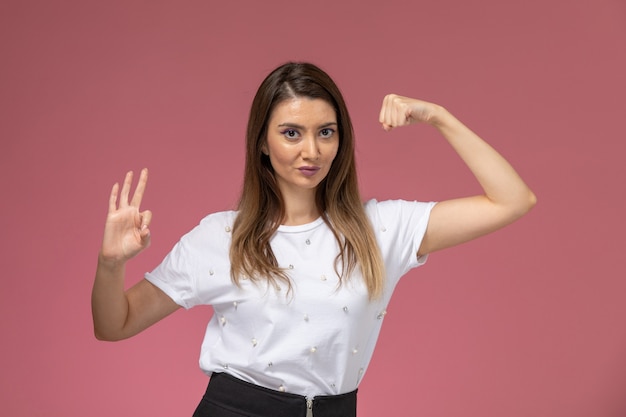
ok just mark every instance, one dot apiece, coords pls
pixel 400 226
pixel 197 269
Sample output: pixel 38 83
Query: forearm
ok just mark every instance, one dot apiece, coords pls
pixel 108 300
pixel 498 179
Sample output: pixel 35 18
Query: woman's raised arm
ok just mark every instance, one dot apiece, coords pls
pixel 119 314
pixel 506 197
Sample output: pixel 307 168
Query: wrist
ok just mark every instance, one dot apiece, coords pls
pixel 110 263
pixel 439 116
pixel 445 122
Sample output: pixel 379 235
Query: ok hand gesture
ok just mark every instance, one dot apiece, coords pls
pixel 126 232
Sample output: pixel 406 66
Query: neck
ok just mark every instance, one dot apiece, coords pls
pixel 300 208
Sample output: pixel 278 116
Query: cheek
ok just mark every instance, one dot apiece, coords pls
pixel 278 157
pixel 270 149
pixel 334 151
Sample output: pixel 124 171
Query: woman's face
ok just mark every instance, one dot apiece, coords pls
pixel 302 142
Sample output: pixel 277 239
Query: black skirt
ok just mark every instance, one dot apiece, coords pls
pixel 227 396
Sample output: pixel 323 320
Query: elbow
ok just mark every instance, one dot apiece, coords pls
pixel 101 336
pixel 525 204
pixel 531 201
pixel 106 336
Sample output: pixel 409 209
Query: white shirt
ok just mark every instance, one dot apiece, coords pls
pixel 317 340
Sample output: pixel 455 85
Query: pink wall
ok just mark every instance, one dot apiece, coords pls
pixel 525 322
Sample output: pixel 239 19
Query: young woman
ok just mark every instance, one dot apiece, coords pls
pixel 300 275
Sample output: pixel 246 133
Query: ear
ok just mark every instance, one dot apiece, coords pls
pixel 264 149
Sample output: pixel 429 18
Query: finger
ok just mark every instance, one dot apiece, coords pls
pixel 113 198
pixel 146 218
pixel 385 113
pixel 144 232
pixel 401 112
pixel 141 188
pixel 381 114
pixel 126 189
pixel 391 111
pixel 145 239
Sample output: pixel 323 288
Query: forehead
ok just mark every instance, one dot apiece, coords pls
pixel 303 109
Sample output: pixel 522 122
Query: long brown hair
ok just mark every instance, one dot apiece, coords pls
pixel 261 206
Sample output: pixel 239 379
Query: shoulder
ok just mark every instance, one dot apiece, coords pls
pixel 399 226
pixel 215 227
pixel 218 219
pixel 396 209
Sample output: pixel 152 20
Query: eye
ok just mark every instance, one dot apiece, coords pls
pixel 290 133
pixel 327 132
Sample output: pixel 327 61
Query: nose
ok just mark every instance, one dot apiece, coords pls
pixel 310 148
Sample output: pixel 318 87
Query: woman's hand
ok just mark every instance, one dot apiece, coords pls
pixel 401 111
pixel 119 314
pixel 126 231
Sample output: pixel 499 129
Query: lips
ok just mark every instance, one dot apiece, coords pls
pixel 308 171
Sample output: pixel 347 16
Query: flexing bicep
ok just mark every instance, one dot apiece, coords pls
pixel 456 221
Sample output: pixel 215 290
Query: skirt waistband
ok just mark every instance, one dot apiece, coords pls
pixel 227 396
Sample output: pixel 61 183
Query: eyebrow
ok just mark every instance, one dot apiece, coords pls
pixel 297 126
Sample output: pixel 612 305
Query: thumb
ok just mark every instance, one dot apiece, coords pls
pixel 144 229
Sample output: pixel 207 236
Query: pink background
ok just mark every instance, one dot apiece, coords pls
pixel 526 322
